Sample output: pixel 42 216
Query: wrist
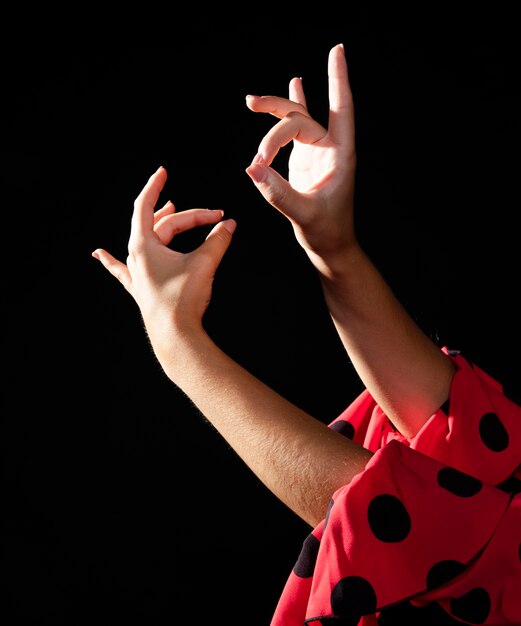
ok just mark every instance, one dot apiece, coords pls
pixel 172 338
pixel 340 265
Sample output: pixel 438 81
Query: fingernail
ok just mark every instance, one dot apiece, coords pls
pixel 257 172
pixel 230 225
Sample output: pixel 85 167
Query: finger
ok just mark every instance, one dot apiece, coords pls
pixel 278 192
pixel 277 106
pixel 341 109
pixel 296 92
pixel 217 242
pixel 171 225
pixel 144 205
pixel 115 267
pixel 293 126
pixel 167 209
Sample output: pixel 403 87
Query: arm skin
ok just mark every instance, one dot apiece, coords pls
pixel 296 456
pixel 406 373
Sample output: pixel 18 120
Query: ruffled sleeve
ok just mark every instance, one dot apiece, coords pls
pixel 426 532
pixel 478 430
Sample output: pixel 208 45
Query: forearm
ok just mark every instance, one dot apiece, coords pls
pixel 296 456
pixel 405 371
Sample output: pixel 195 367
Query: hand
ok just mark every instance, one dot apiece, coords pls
pixel 318 196
pixel 169 286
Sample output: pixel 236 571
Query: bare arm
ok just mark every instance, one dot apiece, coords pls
pixel 407 374
pixel 297 457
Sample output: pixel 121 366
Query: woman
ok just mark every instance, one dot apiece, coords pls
pixel 411 494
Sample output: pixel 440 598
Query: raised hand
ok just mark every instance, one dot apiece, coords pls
pixel 166 284
pixel 318 195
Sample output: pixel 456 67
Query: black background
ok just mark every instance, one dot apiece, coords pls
pixel 119 500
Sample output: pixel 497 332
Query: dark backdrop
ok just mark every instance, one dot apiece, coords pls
pixel 119 499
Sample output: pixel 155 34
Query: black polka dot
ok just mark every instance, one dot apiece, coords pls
pixel 442 572
pixel 330 506
pixel 492 432
pixel 458 483
pixel 307 559
pixel 388 518
pixel 344 428
pixel 511 485
pixel 473 607
pixel 353 597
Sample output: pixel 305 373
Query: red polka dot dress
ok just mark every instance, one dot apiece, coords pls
pixel 430 532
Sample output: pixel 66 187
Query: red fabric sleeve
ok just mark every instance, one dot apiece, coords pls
pixel 425 527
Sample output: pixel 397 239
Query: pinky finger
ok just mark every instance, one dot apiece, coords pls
pixel 118 269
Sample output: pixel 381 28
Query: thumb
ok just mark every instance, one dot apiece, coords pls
pixel 275 189
pixel 218 240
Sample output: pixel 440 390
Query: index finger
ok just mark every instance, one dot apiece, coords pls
pixel 274 105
